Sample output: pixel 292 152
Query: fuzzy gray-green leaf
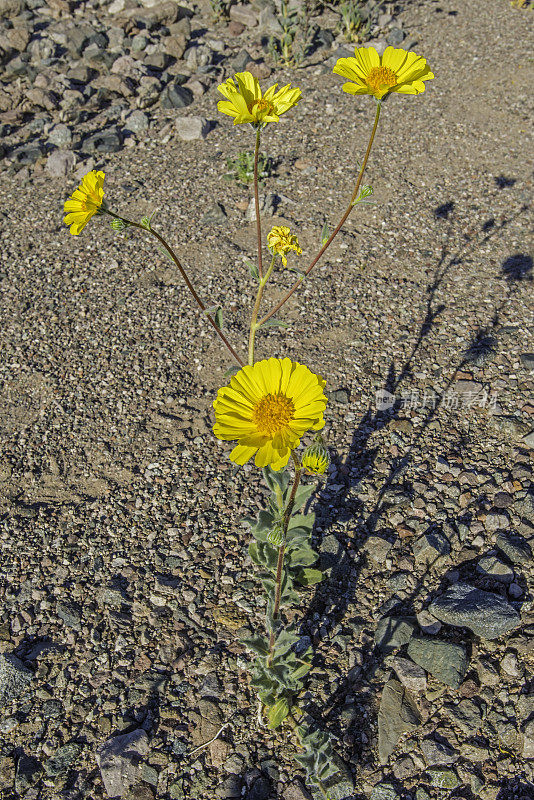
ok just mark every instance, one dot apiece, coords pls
pixel 302 521
pixel 277 713
pixel 257 644
pixel 308 577
pixel 302 557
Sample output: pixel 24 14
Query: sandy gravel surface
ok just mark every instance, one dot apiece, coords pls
pixel 124 568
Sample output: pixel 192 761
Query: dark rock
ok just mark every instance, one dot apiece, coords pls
pixel 158 61
pixel 487 614
pixel 444 660
pixel 430 546
pixel 393 632
pixel 240 61
pixel 395 37
pixel 176 96
pixel 70 613
pixel 106 141
pixel 339 396
pixel 61 762
pixel 515 547
pixel 398 714
pixel 52 709
pixel 28 153
pixel 466 715
pixel 527 359
pixel 442 778
pixel 384 791
pixel 14 678
pixel 27 772
pixel 216 214
pixel 496 569
pixel 438 752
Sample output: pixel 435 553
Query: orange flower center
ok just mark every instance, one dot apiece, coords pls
pixel 273 413
pixel 262 105
pixel 381 77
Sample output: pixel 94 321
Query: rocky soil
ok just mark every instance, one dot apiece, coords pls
pixel 125 577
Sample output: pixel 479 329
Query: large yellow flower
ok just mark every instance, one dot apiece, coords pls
pixel 84 202
pixel 281 241
pixel 397 71
pixel 267 407
pixel 246 103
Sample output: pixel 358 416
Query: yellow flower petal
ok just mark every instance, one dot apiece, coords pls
pixel 267 408
pixel 84 202
pixel 396 71
pixel 245 102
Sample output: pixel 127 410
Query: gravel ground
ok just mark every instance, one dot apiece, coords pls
pixel 124 569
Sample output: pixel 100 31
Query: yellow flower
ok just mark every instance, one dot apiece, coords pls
pixel 246 103
pixel 281 241
pixel 84 202
pixel 397 71
pixel 267 408
pixel 315 459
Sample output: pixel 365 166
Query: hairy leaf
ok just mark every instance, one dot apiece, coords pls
pixel 253 269
pixel 302 557
pixel 273 478
pixel 277 713
pixel 253 553
pixel 302 495
pixel 275 323
pixel 305 521
pixel 307 577
pixel 257 644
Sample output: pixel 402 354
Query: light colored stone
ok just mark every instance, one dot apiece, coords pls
pixel 14 678
pixel 528 742
pixel 410 675
pixel 398 714
pixel 244 14
pixel 191 128
pixel 60 163
pixel 119 761
pixel 428 623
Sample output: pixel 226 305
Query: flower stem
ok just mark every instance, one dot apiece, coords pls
pixel 254 319
pixel 281 551
pixel 339 226
pixel 257 200
pixel 189 285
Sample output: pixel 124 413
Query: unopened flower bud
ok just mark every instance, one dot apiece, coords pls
pixel 276 536
pixel 315 459
pixel 118 224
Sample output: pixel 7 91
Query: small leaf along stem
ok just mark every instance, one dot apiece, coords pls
pixel 285 523
pixel 184 275
pixel 339 226
pixel 257 200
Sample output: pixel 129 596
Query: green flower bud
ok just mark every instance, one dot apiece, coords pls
pixel 315 459
pixel 276 536
pixel 118 224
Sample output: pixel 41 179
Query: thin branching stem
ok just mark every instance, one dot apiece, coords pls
pixel 279 567
pixel 327 244
pixel 254 319
pixel 257 200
